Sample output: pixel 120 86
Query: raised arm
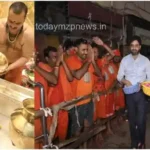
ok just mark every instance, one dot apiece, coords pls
pixel 79 73
pixel 98 41
pixel 49 76
pixel 96 68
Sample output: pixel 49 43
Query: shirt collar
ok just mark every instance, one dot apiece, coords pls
pixel 139 56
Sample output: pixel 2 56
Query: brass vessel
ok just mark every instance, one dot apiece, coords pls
pixel 21 127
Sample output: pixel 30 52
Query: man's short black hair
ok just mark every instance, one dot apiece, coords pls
pixel 68 44
pixel 136 38
pixel 94 45
pixel 101 50
pixel 19 7
pixel 49 49
pixel 80 41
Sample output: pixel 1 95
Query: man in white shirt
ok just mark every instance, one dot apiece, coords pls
pixel 135 68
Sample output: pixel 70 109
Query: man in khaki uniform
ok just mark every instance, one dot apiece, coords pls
pixel 16 41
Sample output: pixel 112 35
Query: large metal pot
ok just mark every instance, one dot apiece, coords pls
pixel 21 127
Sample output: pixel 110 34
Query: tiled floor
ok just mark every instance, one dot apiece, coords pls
pixel 5 142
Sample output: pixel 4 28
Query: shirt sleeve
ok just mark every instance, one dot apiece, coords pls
pixel 148 70
pixel 44 67
pixel 121 72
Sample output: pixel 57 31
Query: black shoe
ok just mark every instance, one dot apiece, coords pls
pixel 141 146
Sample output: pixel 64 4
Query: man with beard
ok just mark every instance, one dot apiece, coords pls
pixel 135 68
pixel 16 41
pixel 82 66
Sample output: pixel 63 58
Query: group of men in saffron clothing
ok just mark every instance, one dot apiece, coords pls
pixel 80 68
pixel 76 69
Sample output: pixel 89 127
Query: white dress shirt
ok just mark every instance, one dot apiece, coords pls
pixel 134 70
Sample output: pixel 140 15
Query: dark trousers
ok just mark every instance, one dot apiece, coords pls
pixel 136 105
pixel 78 115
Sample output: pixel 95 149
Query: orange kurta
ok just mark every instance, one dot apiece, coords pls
pixel 110 96
pixel 99 86
pixel 105 107
pixel 53 95
pixel 42 80
pixel 66 85
pixel 119 99
pixel 14 76
pixel 80 87
pixel 56 95
pixel 119 95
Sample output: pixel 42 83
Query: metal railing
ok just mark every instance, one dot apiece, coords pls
pixel 66 105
